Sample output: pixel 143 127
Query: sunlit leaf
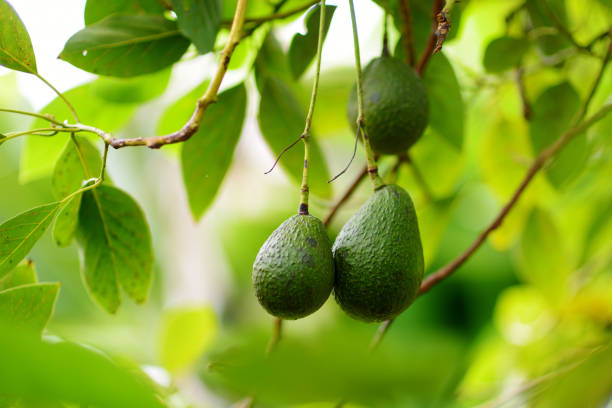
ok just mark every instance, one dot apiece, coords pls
pixel 19 234
pixel 199 20
pixel 126 46
pixel 504 53
pixel 116 243
pixel 16 50
pixel 96 10
pixel 29 305
pixel 23 274
pixel 207 155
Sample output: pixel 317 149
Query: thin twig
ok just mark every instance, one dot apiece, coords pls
pixel 431 40
pixel 523 95
pixel 45 117
pixel 352 155
pixel 283 152
pixel 407 35
pixel 347 194
pixel 62 97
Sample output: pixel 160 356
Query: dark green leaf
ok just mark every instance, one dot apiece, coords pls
pixel 504 53
pixel 206 157
pixel 131 90
pixel 30 305
pixel 446 110
pixel 126 46
pixel 19 234
pixel 539 16
pixel 96 10
pixel 271 61
pixel 303 47
pixel 281 120
pixel 16 50
pixel 199 20
pixel 552 114
pixel 116 242
pixel 23 274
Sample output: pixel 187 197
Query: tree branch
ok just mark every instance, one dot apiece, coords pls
pixel 431 40
pixel 407 36
pixel 347 194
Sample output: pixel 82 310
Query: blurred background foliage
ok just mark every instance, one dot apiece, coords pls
pixel 526 322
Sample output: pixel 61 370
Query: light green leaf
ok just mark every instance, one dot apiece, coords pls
pixel 281 120
pixel 16 50
pixel 116 243
pixel 185 333
pixel 23 274
pixel 199 20
pixel 19 234
pixel 96 10
pixel 303 47
pixel 30 305
pixel 126 46
pixel 177 114
pixel 131 90
pixel 504 53
pixel 206 157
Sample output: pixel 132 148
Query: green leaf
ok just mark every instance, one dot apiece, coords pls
pixel 552 114
pixel 69 174
pixel 303 47
pixel 131 90
pixel 19 234
pixel 96 10
pixel 504 53
pixel 446 109
pixel 177 114
pixel 30 305
pixel 40 154
pixel 16 50
pixel 199 20
pixel 126 46
pixel 116 243
pixel 23 274
pixel 206 157
pixel 185 334
pixel 281 120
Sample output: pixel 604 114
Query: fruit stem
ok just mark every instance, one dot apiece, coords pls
pixel 377 182
pixel 303 210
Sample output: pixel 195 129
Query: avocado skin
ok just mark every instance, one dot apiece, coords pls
pixel 396 107
pixel 379 257
pixel 293 273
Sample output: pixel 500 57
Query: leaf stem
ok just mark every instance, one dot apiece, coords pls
pixel 62 97
pixel 276 335
pixel 407 34
pixel 48 118
pixel 377 182
pixel 431 40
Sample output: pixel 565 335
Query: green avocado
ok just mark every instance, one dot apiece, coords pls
pixel 379 257
pixel 396 108
pixel 293 273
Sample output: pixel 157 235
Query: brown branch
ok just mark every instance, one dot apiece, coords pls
pixel 523 95
pixel 407 35
pixel 347 194
pixel 431 40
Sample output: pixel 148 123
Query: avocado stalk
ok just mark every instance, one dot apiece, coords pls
pixel 376 180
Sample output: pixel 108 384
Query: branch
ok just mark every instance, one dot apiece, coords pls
pixel 523 95
pixel 407 36
pixel 431 40
pixel 347 194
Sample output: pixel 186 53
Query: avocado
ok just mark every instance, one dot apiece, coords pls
pixel 395 104
pixel 293 273
pixel 379 257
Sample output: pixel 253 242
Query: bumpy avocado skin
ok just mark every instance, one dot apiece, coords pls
pixel 396 107
pixel 379 257
pixel 293 273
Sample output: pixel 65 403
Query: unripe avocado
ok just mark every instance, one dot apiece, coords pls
pixel 395 104
pixel 293 273
pixel 379 258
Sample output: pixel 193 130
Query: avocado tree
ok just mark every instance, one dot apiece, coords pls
pixel 431 230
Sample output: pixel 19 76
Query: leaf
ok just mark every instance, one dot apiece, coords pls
pixel 131 90
pixel 185 334
pixel 126 46
pixel 96 10
pixel 552 113
pixel 116 242
pixel 19 234
pixel 29 306
pixel 23 274
pixel 281 120
pixel 69 174
pixel 40 154
pixel 303 47
pixel 16 50
pixel 199 20
pixel 446 108
pixel 504 53
pixel 207 155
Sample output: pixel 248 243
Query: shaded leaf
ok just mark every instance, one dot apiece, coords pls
pixel 185 334
pixel 19 234
pixel 30 305
pixel 303 47
pixel 131 90
pixel 96 10
pixel 116 242
pixel 126 46
pixel 199 20
pixel 207 155
pixel 16 50
pixel 23 274
pixel 504 53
